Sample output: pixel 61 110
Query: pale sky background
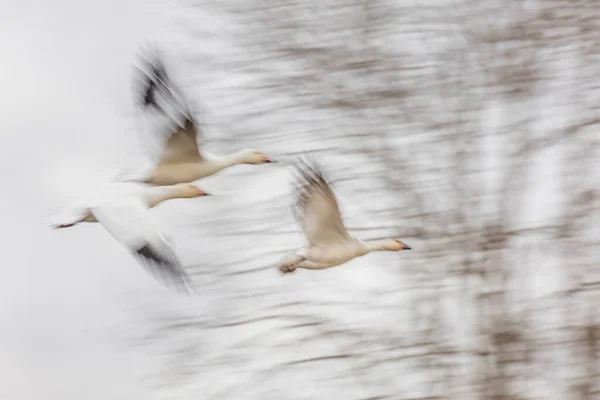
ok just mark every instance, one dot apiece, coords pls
pixel 65 76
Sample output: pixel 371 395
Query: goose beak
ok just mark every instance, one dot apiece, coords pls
pixel 406 247
pixel 202 193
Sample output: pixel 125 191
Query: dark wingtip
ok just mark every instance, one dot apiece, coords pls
pixel 153 84
pixel 147 252
pixel 189 122
pixel 308 178
pixel 151 73
pixel 149 94
pixel 170 273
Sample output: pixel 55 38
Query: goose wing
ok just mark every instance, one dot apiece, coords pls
pixel 317 208
pixel 167 111
pixel 128 222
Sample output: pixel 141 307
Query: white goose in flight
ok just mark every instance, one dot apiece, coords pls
pixel 328 243
pixel 164 105
pixel 123 211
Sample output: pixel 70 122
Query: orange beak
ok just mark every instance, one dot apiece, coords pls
pixel 404 245
pixel 201 192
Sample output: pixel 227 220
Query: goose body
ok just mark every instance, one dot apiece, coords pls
pixel 328 243
pixel 123 211
pixel 167 113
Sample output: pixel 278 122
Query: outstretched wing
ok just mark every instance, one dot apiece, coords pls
pixel 128 222
pixel 167 111
pixel 317 207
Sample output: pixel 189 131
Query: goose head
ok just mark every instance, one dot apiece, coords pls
pixel 254 157
pixel 396 245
